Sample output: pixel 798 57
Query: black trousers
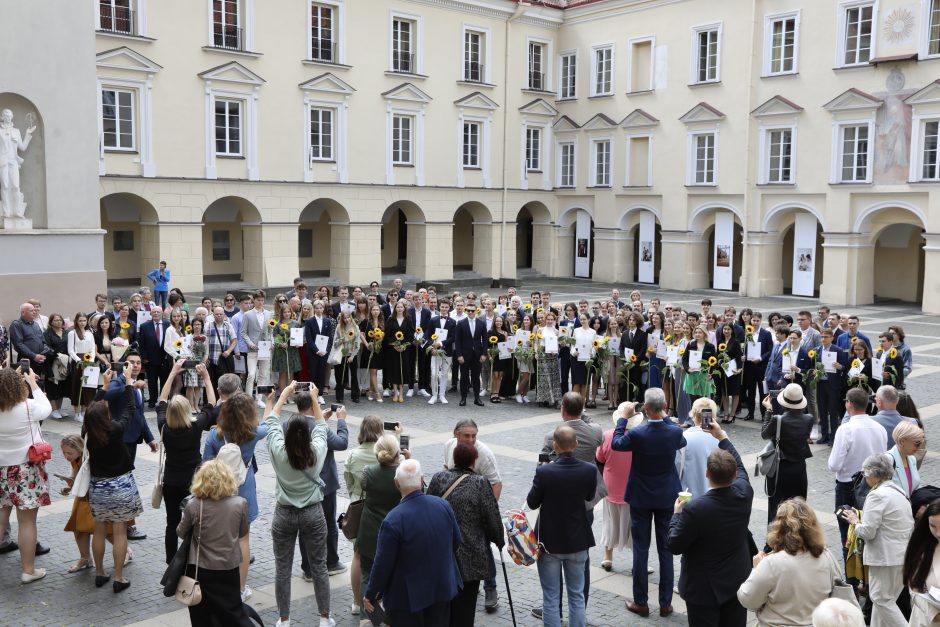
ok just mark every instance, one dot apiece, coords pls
pixel 221 599
pixel 332 536
pixel 346 372
pixel 564 362
pixel 424 370
pixel 157 372
pixel 318 368
pixel 728 614
pixel 463 607
pixel 751 388
pixel 436 615
pixel 470 373
pixel 172 497
pixel 831 406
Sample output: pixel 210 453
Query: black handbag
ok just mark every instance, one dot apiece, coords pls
pixel 860 489
pixel 177 567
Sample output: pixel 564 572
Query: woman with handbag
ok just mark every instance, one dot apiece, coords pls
pixel 788 582
pixel 792 447
pixel 297 456
pixel 23 476
pixel 112 492
pixel 180 439
pixel 218 520
pixel 370 430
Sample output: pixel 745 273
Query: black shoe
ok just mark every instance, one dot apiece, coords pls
pixel 478 402
pixel 491 600
pixel 453 388
pixel 134 534
pixel 151 405
pixel 749 417
pixel 41 550
pixel 463 402
pixel 100 580
pixel 120 586
pixel 9 547
pixel 251 560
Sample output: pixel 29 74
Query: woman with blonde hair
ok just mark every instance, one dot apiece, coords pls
pixel 180 437
pixel 787 584
pixel 218 520
pixel 346 339
pixel 908 438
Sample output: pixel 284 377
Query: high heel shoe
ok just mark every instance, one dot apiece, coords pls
pixel 100 580
pixel 728 421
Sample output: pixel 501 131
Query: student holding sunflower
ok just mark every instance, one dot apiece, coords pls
pixel 399 334
pixel 285 359
pixel 698 379
pixel 81 346
pixel 346 340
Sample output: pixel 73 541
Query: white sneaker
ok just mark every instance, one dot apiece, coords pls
pixel 327 622
pixel 246 594
pixel 80 417
pixel 56 414
pixel 385 393
pixel 433 400
pixel 424 393
pixel 260 403
pixel 282 623
pixel 355 610
pixel 519 398
pixel 482 391
pixel 321 401
pixel 525 399
pixel 442 399
pixel 410 393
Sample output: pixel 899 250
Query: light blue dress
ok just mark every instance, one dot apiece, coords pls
pixel 247 490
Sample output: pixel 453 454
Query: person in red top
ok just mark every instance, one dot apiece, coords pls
pixel 616 465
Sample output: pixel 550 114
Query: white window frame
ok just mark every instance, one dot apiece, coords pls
pixel 140 9
pixel 838 156
pixel 117 119
pixel 464 145
pixel 410 116
pixel 629 138
pixel 485 123
pixel 696 66
pixel 769 21
pixel 246 19
pixel 561 75
pixel 925 30
pixel 340 132
pixel 692 157
pixel 417 42
pixel 595 51
pixel 547 53
pixel 339 31
pixel 537 154
pixel 630 44
pixel 765 146
pixel 919 124
pixel 332 143
pixel 486 53
pixel 241 126
pixel 249 135
pixel 597 176
pixel 842 32
pixel 560 166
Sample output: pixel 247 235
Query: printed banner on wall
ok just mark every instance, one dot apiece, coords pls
pixel 647 247
pixel 582 245
pixel 724 250
pixel 804 254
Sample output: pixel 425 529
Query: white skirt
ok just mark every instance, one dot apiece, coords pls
pixel 616 534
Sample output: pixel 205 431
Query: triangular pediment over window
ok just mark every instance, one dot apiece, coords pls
pixel 408 92
pixel 232 72
pixel 926 95
pixel 539 107
pixel 477 100
pixel 565 125
pixel 599 122
pixel 853 100
pixel 124 58
pixel 639 119
pixel 328 83
pixel 778 105
pixel 702 112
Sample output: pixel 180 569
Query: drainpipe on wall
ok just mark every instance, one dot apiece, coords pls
pixel 520 10
pixel 748 166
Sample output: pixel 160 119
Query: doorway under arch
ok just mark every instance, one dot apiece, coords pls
pixel 231 241
pixel 397 243
pixel 131 246
pixel 315 236
pixel 533 237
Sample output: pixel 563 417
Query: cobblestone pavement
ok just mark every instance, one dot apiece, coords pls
pixel 513 431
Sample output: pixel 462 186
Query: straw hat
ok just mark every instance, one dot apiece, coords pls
pixel 792 397
pixel 621 412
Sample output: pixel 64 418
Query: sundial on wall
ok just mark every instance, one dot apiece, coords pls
pixel 898 26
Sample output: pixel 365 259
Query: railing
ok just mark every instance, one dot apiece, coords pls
pixel 228 37
pixel 403 62
pixel 323 50
pixel 537 80
pixel 473 72
pixel 118 20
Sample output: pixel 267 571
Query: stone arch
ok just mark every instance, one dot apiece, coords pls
pixel 777 218
pixel 403 236
pixel 581 244
pixel 534 237
pixel 875 217
pixel 474 238
pixel 702 221
pixel 636 248
pixel 33 167
pixel 897 254
pixel 131 241
pixel 699 218
pixel 316 235
pixel 231 241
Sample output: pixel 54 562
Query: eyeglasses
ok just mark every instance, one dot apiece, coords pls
pixel 230 300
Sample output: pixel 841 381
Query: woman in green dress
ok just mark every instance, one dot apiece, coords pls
pixel 698 380
pixel 285 359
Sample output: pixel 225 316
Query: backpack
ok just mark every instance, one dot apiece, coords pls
pixel 521 542
pixel 231 455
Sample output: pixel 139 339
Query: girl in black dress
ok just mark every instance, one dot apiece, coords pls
pixel 56 368
pixel 499 365
pixel 372 361
pixel 399 333
pixel 729 388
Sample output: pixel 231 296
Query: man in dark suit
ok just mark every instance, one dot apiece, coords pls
pixel 830 389
pixel 316 359
pixel 755 369
pixel 710 533
pixel 651 492
pixel 342 300
pixel 423 316
pixel 635 338
pixel 156 360
pixel 561 491
pixel 415 568
pixel 470 348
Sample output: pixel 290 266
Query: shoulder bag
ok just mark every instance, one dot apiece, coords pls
pixel 156 496
pixel 40 451
pixel 82 478
pixel 188 591
pixel 453 485
pixel 768 460
pixel 349 520
pixel 840 589
pixel 226 365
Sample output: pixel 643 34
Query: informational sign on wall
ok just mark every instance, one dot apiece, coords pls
pixel 723 260
pixel 646 247
pixel 804 254
pixel 582 245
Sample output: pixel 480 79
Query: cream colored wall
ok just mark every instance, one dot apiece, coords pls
pixel 235 264
pixel 122 264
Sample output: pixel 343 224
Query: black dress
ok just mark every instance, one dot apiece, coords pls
pixel 499 365
pixel 397 367
pixel 791 480
pixel 56 391
pixel 725 385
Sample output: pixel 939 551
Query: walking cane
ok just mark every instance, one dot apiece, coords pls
pixel 508 591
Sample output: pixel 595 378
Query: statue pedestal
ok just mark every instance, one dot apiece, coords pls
pixel 17 224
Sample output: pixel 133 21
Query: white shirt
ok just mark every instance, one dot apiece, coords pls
pixel 260 315
pixel 855 441
pixel 472 323
pixel 78 347
pixel 486 461
pixel 19 429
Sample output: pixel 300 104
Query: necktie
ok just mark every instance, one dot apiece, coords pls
pixel 472 328
pixel 159 328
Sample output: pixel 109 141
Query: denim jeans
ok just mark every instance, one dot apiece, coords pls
pixel 551 566
pixel 309 522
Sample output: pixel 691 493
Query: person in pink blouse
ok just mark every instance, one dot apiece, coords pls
pixel 616 534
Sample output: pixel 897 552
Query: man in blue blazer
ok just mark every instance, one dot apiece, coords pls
pixel 830 390
pixel 754 370
pixel 651 492
pixel 150 340
pixel 415 569
pixel 710 533
pixel 470 349
pixel 561 490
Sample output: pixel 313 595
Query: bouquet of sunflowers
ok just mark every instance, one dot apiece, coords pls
pixel 859 380
pixel 374 343
pixel 524 353
pixel 281 336
pixel 564 336
pixel 815 374
pixel 493 350
pixel 599 363
pixel 889 374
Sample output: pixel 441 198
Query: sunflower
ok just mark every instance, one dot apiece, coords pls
pixel 541 336
pixel 189 328
pixel 607 340
pixel 722 347
pixel 854 339
pixel 272 323
pixel 519 342
pixel 748 329
pixel 419 330
pixel 596 343
pixel 434 337
pixel 87 357
pixel 531 336
pixel 856 363
pixel 515 328
pixel 667 338
pixel 564 330
pixel 379 334
pixel 284 326
pixel 682 351
pixel 125 326
pixel 651 349
pixel 493 339
pixel 712 361
pixel 893 353
pixel 178 344
pixel 540 310
pixel 633 359
pixel 350 334
pixel 371 333
pixel 528 307
pixel 811 354
pixel 399 336
pixel 786 351
pixel 479 311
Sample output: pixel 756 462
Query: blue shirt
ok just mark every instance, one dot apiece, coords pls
pixel 844 341
pixel 247 490
pixel 161 280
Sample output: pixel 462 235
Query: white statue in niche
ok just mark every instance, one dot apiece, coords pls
pixel 11 144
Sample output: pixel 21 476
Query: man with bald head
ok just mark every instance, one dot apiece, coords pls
pixel 560 491
pixel 26 338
